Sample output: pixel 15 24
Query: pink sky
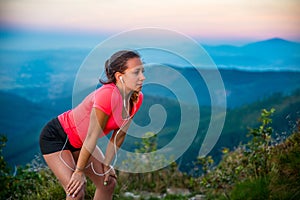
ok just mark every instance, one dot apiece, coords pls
pixel 211 20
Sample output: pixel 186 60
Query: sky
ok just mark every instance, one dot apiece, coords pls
pixel 211 21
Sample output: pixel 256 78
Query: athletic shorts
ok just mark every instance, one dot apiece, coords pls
pixel 53 138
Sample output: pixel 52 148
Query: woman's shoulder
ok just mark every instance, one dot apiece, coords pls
pixel 107 92
pixel 106 88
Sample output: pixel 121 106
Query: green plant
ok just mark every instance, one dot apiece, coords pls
pixel 258 152
pixel 21 182
pixel 285 174
pixel 251 189
pixel 4 170
pixel 247 162
pixel 143 159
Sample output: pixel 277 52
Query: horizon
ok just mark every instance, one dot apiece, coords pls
pixel 160 46
pixel 17 39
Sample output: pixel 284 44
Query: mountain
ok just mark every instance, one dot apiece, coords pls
pixel 272 54
pixel 39 74
pixel 53 71
pixel 240 87
pixel 21 121
pixel 239 120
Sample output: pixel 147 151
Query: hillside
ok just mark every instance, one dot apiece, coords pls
pixel 21 121
pixel 241 87
pixel 239 120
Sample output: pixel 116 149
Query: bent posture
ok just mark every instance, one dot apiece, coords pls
pixel 68 142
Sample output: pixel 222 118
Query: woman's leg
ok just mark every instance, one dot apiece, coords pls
pixel 59 166
pixel 104 192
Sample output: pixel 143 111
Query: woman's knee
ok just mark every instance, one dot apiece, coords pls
pixel 79 196
pixel 110 186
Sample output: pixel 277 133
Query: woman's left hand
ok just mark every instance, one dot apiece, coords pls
pixel 76 183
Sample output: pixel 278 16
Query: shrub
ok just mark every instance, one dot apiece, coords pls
pixel 251 189
pixel 285 174
pixel 258 170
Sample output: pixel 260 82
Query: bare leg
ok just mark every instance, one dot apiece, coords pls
pixel 61 170
pixel 102 192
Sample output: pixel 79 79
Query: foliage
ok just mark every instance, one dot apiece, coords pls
pixel 261 169
pixel 26 182
pixel 285 174
pixel 251 189
pixel 34 181
pixel 258 152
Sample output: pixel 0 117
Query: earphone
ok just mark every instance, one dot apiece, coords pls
pixel 121 78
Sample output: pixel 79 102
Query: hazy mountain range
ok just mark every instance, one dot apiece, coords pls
pixel 272 54
pixel 50 74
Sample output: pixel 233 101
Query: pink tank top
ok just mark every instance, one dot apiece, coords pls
pixel 107 98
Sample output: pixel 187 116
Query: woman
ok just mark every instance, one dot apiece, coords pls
pixel 68 142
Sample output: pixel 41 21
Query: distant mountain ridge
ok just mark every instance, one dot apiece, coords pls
pixel 272 54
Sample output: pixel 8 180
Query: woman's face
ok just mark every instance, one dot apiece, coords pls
pixel 133 76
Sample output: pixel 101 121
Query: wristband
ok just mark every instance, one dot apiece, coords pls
pixel 79 169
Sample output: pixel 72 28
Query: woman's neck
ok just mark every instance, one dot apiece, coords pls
pixel 126 94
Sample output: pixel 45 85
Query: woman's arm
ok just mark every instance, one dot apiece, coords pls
pixel 113 145
pixel 97 124
pixel 98 120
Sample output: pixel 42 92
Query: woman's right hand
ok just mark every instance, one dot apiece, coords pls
pixel 111 173
pixel 76 183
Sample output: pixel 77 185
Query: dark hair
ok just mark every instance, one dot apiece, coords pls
pixel 117 63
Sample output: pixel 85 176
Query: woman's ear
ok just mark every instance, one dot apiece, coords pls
pixel 118 75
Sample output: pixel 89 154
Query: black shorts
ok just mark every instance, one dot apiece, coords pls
pixel 53 138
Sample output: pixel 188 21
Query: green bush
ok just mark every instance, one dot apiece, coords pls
pixel 251 189
pixel 257 170
pixel 285 174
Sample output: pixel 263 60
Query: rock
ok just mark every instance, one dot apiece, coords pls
pixel 178 191
pixel 131 195
pixel 198 197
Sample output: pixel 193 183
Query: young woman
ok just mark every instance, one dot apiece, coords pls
pixel 68 142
